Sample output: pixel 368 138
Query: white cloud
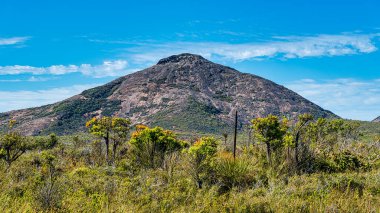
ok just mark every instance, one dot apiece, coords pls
pixel 348 98
pixel 38 79
pixel 31 79
pixel 108 68
pixel 12 100
pixel 280 47
pixel 13 40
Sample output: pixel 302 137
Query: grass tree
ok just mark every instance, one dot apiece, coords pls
pixel 270 130
pixel 109 128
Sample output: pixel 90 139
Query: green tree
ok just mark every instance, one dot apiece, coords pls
pixel 13 145
pixel 270 130
pixel 120 130
pixel 150 145
pixel 102 128
pixel 109 128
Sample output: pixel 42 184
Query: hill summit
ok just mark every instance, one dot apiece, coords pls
pixel 183 92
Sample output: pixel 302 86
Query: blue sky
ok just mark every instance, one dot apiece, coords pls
pixel 327 51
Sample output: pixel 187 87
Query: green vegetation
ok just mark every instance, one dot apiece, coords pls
pixel 150 147
pixel 71 113
pixel 270 131
pixel 12 145
pixel 107 128
pixel 302 165
pixel 197 118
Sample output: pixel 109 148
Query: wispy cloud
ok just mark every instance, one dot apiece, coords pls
pixel 349 98
pixel 12 100
pixel 279 47
pixel 13 40
pixel 38 79
pixel 108 68
pixel 30 79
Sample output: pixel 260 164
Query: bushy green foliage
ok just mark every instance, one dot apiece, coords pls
pixel 201 155
pixel 347 161
pixel 270 130
pixel 13 145
pixel 150 145
pixel 47 143
pixel 204 148
pixel 340 162
pixel 110 129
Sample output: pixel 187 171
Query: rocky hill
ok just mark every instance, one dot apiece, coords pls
pixel 182 92
pixel 376 119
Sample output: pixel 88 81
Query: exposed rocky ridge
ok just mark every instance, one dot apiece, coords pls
pixel 376 119
pixel 183 92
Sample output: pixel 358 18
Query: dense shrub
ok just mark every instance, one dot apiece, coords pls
pixel 339 162
pixel 47 143
pixel 201 154
pixel 347 161
pixel 149 146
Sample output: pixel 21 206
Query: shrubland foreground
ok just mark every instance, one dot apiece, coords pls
pixel 305 165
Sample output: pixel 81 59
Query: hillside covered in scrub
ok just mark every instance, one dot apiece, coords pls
pixel 185 92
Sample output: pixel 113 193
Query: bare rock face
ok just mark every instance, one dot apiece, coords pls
pixel 376 119
pixel 183 92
